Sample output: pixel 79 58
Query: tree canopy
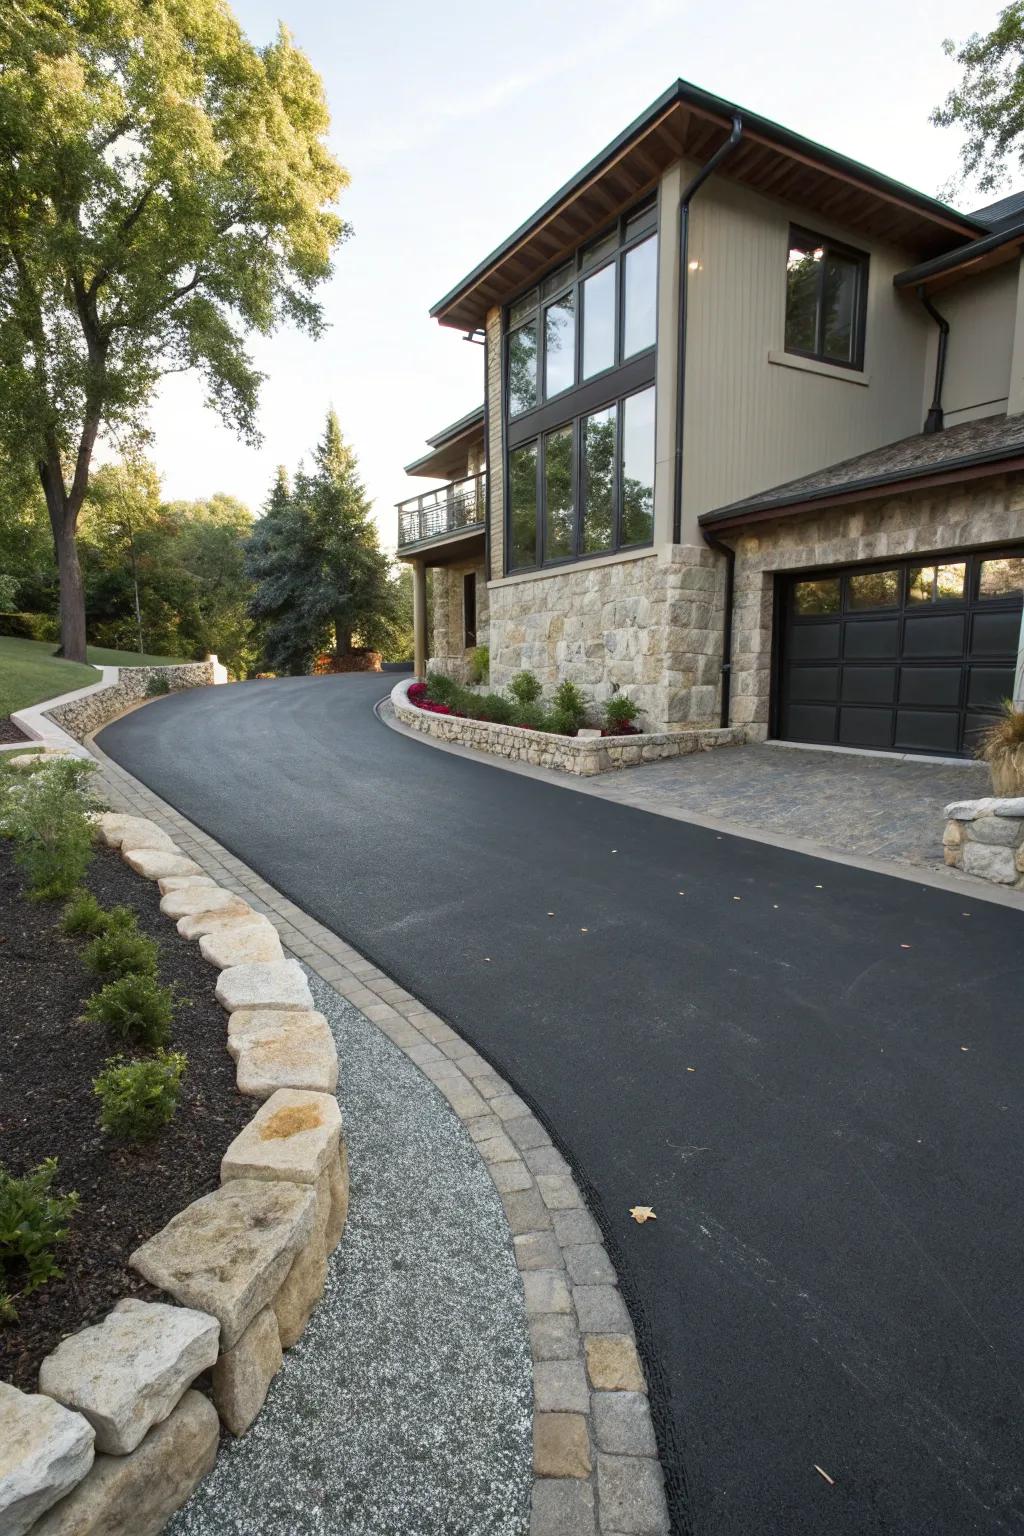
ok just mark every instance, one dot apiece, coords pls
pixel 165 189
pixel 988 104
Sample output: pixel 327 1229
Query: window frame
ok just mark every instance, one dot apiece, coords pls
pixel 863 262
pixel 469 597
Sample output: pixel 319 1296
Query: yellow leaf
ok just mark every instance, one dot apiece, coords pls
pixel 642 1213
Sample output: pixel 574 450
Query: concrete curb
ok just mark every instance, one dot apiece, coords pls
pixel 596 1468
pixel 34 721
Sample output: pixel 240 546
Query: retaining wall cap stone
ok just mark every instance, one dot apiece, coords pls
pixel 967 810
pixel 1013 807
pixel 294 1136
pixel 44 1451
pixel 129 1372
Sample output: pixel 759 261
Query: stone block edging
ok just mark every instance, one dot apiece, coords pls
pixel 986 838
pixel 596 1467
pixel 567 754
pixel 115 1416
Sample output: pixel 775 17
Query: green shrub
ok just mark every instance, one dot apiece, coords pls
pixel 479 664
pixel 46 812
pixel 138 1098
pixel 531 714
pixel 157 685
pixel 133 1008
pixel 83 914
pixel 442 688
pixel 119 949
pixel 33 1222
pixel 524 688
pixel 562 724
pixel 494 706
pixel 30 626
pixel 619 711
pixel 570 705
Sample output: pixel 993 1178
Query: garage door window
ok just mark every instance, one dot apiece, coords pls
pixel 1003 577
pixel 817 596
pixel 936 583
pixel 875 589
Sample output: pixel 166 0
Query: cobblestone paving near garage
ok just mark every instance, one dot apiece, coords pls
pixel 875 807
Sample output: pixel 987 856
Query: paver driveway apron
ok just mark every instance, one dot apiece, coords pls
pixel 832 1279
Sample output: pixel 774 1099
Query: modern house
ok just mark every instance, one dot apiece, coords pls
pixel 751 447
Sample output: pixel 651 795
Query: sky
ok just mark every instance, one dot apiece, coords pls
pixel 455 120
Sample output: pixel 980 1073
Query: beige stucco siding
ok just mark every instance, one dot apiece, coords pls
pixel 752 423
pixel 981 313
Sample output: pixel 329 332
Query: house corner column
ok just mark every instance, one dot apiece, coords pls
pixel 419 617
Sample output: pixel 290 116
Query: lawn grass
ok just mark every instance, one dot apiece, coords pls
pixel 30 672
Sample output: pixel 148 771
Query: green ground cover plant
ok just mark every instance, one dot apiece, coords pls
pixel 138 1098
pixel 119 949
pixel 134 1009
pixel 33 1223
pixel 46 812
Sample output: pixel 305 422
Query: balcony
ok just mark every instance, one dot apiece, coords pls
pixel 456 508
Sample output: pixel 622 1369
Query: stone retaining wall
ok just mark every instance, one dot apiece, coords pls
pixel 81 716
pixel 986 838
pixel 116 1439
pixel 567 754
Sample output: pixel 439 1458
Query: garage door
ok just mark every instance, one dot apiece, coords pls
pixel 909 657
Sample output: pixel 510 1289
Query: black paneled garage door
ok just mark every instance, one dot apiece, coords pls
pixel 914 656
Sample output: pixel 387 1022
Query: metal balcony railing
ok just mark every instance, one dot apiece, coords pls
pixel 456 506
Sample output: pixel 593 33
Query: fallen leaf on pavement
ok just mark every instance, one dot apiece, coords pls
pixel 830 1480
pixel 642 1213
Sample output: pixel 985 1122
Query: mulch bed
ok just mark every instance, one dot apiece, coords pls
pixel 9 731
pixel 48 1109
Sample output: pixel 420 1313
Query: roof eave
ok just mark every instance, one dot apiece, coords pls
pixel 957 263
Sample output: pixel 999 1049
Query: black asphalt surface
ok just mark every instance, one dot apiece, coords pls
pixel 813 1073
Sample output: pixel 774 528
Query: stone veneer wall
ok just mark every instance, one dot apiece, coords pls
pixel 567 754
pixel 649 624
pixel 986 838
pixel 450 654
pixel 80 717
pixel 926 521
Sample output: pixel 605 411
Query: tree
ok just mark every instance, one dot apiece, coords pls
pixel 319 571
pixel 988 104
pixel 165 188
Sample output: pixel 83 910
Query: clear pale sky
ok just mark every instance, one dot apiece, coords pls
pixel 457 119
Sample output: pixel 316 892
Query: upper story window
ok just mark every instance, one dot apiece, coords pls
pixel 591 315
pixel 826 299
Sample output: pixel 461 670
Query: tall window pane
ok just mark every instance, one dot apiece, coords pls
pixel 599 321
pixel 839 301
pixel 522 369
pixel 638 468
pixel 641 284
pixel 558 503
pixel 559 345
pixel 522 475
pixel 598 480
pixel 802 271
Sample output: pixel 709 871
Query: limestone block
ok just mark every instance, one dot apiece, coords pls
pixel 155 863
pixel 241 943
pixel 1009 807
pixel 242 1375
pixel 953 835
pixel 295 1135
pixel 127 1373
pixel 228 1253
pixel 198 923
pixel 119 831
pixel 278 985
pixel 200 898
pixel 996 831
pixel 182 882
pixel 33 759
pixel 293 1305
pixel 968 810
pixel 990 863
pixel 283 1048
pixel 44 1451
pixel 136 1495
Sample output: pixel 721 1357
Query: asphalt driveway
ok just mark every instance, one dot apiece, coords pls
pixel 814 1073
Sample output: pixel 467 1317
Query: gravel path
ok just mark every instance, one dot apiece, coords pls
pixel 406 1408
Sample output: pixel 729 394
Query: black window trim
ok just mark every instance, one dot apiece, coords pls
pixel 863 261
pixel 469 590
pixel 973 555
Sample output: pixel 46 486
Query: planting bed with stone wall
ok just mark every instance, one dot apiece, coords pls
pixel 582 755
pixel 81 716
pixel 986 838
pixel 116 1439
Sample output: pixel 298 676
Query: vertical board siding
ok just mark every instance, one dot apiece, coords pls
pixel 981 312
pixel 492 426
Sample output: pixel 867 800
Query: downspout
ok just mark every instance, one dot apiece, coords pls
pixel 934 420
pixel 685 200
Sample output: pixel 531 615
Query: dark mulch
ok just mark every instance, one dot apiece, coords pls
pixel 9 731
pixel 48 1059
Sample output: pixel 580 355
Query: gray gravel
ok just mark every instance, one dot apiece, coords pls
pixel 406 1408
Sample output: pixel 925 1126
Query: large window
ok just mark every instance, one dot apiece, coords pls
pixel 826 300
pixel 585 488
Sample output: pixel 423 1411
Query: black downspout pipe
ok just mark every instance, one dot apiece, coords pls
pixel 685 200
pixel 934 421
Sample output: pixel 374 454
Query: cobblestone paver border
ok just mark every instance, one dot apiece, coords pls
pixel 596 1468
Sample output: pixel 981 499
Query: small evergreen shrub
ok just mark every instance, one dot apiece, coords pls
pixel 442 688
pixel 496 707
pixel 479 664
pixel 570 706
pixel 46 812
pixel 119 949
pixel 138 1098
pixel 158 684
pixel 532 714
pixel 133 1008
pixel 33 1224
pixel 562 724
pixel 619 712
pixel 525 688
pixel 83 914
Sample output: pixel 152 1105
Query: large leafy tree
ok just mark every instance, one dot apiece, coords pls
pixel 988 104
pixel 319 571
pixel 165 189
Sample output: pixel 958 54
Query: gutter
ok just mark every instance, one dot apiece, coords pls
pixel 934 420
pixel 962 256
